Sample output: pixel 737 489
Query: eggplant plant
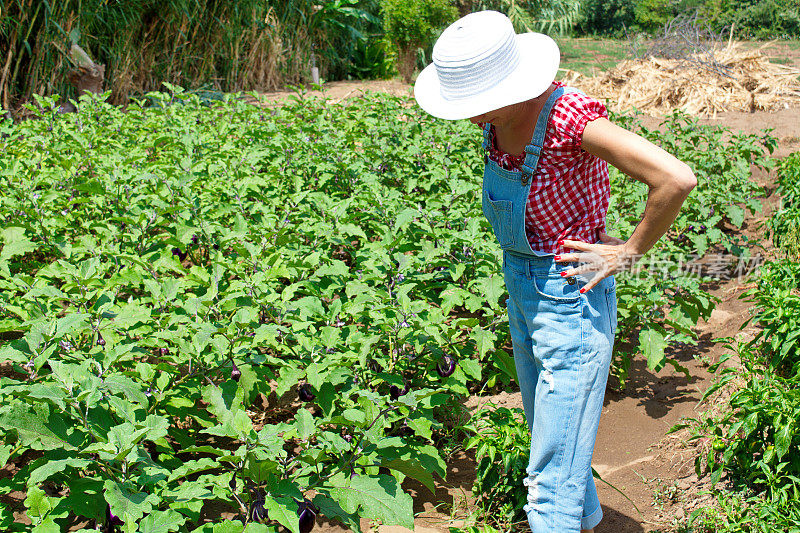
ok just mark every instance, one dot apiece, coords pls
pixel 174 278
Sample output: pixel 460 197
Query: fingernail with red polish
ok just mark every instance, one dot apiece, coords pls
pixel 563 274
pixel 561 242
pixel 558 257
pixel 583 290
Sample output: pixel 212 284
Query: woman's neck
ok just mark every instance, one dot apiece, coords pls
pixel 513 136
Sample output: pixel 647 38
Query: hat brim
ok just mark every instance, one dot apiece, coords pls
pixel 537 68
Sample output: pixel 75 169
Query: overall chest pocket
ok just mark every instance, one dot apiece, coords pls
pixel 500 213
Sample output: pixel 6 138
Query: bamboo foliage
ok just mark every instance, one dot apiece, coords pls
pixel 548 16
pixel 225 45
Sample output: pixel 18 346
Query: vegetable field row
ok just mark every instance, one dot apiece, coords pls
pixel 276 311
pixel 753 442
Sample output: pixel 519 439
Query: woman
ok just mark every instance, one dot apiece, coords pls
pixel 545 193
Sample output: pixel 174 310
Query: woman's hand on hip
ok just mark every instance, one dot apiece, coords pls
pixel 607 257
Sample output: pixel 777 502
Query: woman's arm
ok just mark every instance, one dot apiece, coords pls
pixel 668 179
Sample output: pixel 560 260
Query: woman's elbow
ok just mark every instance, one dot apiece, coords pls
pixel 683 178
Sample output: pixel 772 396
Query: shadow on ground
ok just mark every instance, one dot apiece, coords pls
pixel 616 522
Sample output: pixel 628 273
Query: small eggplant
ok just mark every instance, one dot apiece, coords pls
pixel 446 366
pixel 305 393
pixel 257 511
pixel 395 392
pixel 112 519
pixel 235 373
pixel 180 253
pixel 307 515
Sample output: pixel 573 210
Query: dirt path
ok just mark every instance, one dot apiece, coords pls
pixel 632 452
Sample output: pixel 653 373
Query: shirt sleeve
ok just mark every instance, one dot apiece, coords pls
pixel 571 114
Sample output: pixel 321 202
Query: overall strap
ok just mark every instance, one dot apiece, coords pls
pixel 487 141
pixel 534 150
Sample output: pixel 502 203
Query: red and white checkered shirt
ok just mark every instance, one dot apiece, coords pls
pixel 570 191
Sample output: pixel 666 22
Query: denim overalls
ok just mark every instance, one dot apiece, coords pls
pixel 562 342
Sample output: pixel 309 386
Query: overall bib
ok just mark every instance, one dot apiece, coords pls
pixel 562 343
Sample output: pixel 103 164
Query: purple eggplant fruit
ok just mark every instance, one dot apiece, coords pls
pixel 180 253
pixel 112 520
pixel 395 392
pixel 258 513
pixel 446 366
pixel 235 373
pixel 305 393
pixel 307 515
pixel 100 340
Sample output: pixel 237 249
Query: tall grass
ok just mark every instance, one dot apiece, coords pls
pixel 219 44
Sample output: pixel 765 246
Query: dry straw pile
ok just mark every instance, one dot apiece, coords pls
pixel 724 78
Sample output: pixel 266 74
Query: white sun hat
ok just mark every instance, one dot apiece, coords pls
pixel 480 64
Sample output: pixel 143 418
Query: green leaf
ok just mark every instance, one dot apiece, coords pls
pixel 162 521
pixel 484 341
pixel 127 502
pixel 284 510
pixel 471 367
pixel 16 243
pixel 783 439
pixel 305 424
pixel 39 428
pixel 652 345
pixel 378 498
pixel 287 379
pixel 5 453
pixel 53 467
pixel 69 323
pixel 315 379
pixel 53 393
pixel 492 288
pixel 506 364
pixel 192 467
pixel 332 510
pixel 413 469
pixel 38 502
pixel 735 214
pixel 125 387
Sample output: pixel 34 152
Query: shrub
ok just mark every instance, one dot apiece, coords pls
pixel 783 224
pixel 758 439
pixel 502 442
pixel 414 24
pixel 753 18
pixel 652 14
pixel 600 17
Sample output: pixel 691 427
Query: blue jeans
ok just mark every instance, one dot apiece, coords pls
pixel 562 342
